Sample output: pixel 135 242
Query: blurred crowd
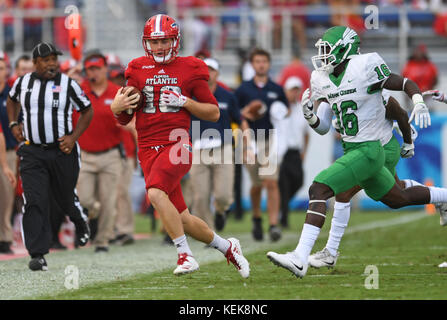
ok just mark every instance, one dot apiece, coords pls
pixel 340 12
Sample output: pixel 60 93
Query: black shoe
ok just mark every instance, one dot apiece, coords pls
pixel 219 220
pixel 126 239
pixel 38 263
pixel 117 239
pixel 258 233
pixel 101 249
pixel 5 248
pixel 57 245
pixel 82 232
pixel 167 240
pixel 275 233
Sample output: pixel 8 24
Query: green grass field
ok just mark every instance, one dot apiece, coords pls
pixel 406 247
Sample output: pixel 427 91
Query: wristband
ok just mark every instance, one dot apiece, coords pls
pixel 417 98
pixel 13 124
pixel 312 120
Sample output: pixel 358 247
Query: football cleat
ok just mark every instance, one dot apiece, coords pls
pixel 289 261
pixel 275 233
pixel 82 232
pixel 186 264
pixel 38 263
pixel 234 254
pixel 442 207
pixel 323 258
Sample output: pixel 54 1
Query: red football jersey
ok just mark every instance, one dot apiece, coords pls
pixel 155 122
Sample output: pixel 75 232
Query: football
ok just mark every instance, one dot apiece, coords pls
pixel 140 101
pixel 254 110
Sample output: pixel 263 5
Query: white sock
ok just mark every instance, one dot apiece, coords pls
pixel 307 240
pixel 220 243
pixel 437 194
pixel 182 245
pixel 411 183
pixel 339 222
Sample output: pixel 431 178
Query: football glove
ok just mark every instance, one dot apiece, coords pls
pixel 436 95
pixel 420 112
pixel 173 99
pixel 308 107
pixel 407 150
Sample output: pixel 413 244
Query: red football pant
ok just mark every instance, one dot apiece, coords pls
pixel 163 168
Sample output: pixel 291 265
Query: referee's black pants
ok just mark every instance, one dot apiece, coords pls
pixel 290 181
pixel 47 173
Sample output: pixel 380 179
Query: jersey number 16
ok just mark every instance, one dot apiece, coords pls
pixel 348 122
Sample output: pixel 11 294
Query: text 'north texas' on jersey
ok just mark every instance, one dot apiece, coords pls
pixel 360 112
pixel 159 124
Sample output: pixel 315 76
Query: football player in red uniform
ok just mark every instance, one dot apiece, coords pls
pixel 168 83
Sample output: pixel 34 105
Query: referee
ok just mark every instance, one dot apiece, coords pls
pixel 49 155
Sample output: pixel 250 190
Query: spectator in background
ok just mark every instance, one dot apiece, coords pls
pixel 124 226
pixel 6 170
pixel 73 69
pixel 7 193
pixel 101 153
pixel 262 88
pixel 293 141
pixel 23 65
pixel 32 27
pixel 216 161
pixel 298 22
pixel 420 69
pixel 347 13
pixel 116 69
pixel 295 68
pixel 8 24
pixel 200 25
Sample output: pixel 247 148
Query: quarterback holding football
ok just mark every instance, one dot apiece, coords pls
pixel 168 82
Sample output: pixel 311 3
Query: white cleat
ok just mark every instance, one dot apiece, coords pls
pixel 185 264
pixel 234 254
pixel 442 207
pixel 323 258
pixel 289 261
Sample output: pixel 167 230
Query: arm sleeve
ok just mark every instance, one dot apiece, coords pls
pixel 376 70
pixel 77 96
pixel 324 113
pixel 201 91
pixel 282 97
pixel 240 98
pixel 14 93
pixel 278 110
pixel 128 74
pixel 235 112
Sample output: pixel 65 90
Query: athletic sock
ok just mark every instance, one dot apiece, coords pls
pixel 339 222
pixel 220 243
pixel 307 240
pixel 437 194
pixel 182 245
pixel 411 183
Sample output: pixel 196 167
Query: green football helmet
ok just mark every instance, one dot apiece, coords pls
pixel 337 44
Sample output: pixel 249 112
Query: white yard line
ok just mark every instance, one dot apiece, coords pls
pixel 145 256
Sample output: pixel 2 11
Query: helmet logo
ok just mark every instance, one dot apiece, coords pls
pixel 348 36
pixel 157 34
pixel 174 25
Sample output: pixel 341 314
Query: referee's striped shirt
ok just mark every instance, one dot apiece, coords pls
pixel 47 106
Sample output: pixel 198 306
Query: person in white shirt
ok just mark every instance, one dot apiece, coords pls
pixel 293 138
